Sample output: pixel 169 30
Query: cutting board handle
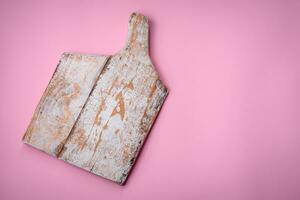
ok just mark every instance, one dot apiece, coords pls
pixel 138 30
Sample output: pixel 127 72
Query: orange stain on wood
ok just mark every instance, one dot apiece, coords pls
pixel 98 118
pixel 152 90
pixel 66 115
pixel 81 140
pixel 129 85
pixel 67 100
pixel 113 85
pixel 120 108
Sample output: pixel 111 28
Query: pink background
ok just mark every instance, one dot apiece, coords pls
pixel 229 128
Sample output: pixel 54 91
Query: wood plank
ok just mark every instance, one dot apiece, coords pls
pixel 62 101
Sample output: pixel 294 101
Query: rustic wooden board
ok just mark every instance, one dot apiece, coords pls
pixel 102 129
pixel 63 100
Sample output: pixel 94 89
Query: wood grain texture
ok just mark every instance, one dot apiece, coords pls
pixel 105 129
pixel 63 101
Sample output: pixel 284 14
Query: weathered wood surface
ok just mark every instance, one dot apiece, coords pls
pixel 63 100
pixel 103 128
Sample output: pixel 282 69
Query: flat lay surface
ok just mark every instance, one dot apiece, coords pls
pixel 229 128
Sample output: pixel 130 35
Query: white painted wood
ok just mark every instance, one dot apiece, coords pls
pixel 117 115
pixel 63 100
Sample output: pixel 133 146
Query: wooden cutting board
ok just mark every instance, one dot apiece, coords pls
pixel 98 110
